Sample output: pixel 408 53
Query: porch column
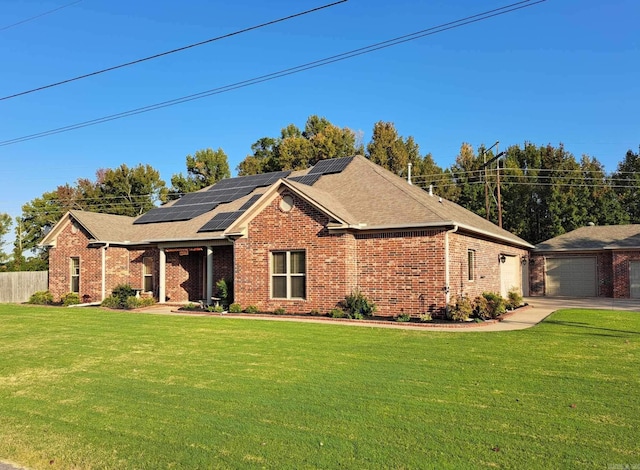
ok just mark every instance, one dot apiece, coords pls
pixel 209 279
pixel 162 288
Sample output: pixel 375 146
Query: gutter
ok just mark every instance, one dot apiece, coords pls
pixel 446 264
pixel 433 224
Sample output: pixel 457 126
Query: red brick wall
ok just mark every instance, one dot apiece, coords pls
pixel 330 258
pixel 487 266
pixel 620 271
pixel 73 242
pixel 402 272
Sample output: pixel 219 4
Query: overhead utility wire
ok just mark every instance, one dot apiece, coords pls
pixel 173 51
pixel 3 28
pixel 282 73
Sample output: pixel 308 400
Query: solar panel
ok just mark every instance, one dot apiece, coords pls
pixel 306 179
pixel 221 221
pixel 250 202
pixel 333 165
pixel 194 204
pixel 174 214
pixel 255 181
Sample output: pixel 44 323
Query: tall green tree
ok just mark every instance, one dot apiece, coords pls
pixel 390 150
pixel 627 184
pixel 122 191
pixel 205 168
pixel 296 150
pixel 130 191
pixel 5 228
pixel 468 175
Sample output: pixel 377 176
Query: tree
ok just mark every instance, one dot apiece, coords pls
pixel 123 191
pixel 468 174
pixel 296 150
pixel 130 191
pixel 392 151
pixel 5 227
pixel 627 182
pixel 205 168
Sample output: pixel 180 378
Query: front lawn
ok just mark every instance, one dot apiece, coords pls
pixel 90 388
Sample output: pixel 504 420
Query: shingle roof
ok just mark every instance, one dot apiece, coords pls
pixel 362 195
pixel 599 237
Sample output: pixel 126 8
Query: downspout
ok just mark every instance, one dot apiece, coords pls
pixel 104 270
pixel 446 264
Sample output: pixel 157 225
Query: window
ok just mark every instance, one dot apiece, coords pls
pixel 288 275
pixel 75 275
pixel 147 274
pixel 471 263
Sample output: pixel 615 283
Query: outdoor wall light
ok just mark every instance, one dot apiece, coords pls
pixel 532 261
pixel 523 260
pixel 502 258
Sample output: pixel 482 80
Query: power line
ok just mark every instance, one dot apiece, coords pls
pixel 282 73
pixel 3 28
pixel 172 51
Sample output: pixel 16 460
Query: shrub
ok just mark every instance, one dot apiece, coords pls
pixel 403 317
pixel 122 292
pixel 42 297
pixel 138 302
pixel 111 302
pixel 514 299
pixel 314 312
pixel 460 308
pixel 358 306
pixel 225 291
pixel 215 308
pixel 235 308
pixel 337 313
pixel 70 299
pixel 425 317
pixel 279 311
pixel 481 308
pixel 251 309
pixel 191 306
pixel 492 306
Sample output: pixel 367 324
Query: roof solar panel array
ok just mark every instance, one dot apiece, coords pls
pixel 221 221
pixel 231 189
pixel 194 204
pixel 331 166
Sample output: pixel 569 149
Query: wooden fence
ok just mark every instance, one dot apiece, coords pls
pixel 17 287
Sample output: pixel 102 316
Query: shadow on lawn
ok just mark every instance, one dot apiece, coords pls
pixel 585 325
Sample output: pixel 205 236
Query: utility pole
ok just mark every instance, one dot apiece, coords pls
pixel 486 177
pixel 486 187
pixel 498 183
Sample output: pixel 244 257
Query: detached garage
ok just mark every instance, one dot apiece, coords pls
pixel 592 261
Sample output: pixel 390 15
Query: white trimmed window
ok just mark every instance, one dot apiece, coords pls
pixel 147 274
pixel 471 264
pixel 288 275
pixel 74 267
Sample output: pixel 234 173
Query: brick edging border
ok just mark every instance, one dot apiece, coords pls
pixel 389 323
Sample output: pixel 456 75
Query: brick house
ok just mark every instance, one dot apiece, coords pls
pixel 299 240
pixel 591 261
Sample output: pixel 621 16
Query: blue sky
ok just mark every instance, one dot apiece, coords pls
pixel 561 71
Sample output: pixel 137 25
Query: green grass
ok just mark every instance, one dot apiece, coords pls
pixel 86 388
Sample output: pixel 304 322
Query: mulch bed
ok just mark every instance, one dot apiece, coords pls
pixel 375 320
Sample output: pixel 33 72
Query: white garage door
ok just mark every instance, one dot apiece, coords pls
pixel 571 277
pixel 510 277
pixel 634 279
